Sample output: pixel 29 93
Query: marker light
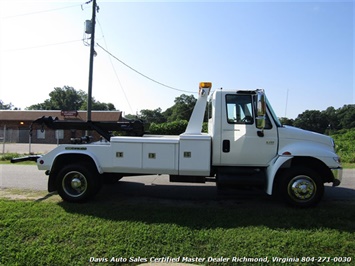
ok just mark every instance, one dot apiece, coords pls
pixel 204 85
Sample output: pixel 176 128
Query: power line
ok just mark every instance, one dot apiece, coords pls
pixel 114 70
pixel 39 12
pixel 41 46
pixel 162 84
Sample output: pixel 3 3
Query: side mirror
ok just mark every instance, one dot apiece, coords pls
pixel 260 109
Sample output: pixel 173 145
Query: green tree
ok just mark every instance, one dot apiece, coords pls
pixel 96 105
pixel 153 116
pixel 287 121
pixel 131 117
pixel 4 106
pixel 332 117
pixel 346 116
pixel 182 108
pixel 312 120
pixel 67 98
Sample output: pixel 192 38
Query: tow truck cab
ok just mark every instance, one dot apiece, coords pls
pixel 251 147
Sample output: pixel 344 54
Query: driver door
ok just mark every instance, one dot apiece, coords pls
pixel 241 145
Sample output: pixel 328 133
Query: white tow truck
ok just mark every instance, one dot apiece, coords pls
pixel 246 145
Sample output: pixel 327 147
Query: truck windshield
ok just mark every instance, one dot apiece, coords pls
pixel 274 116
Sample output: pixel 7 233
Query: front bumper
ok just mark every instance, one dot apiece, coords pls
pixel 338 176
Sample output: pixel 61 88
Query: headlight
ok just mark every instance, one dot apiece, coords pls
pixel 337 159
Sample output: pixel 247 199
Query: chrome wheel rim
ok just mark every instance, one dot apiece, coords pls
pixel 302 188
pixel 74 184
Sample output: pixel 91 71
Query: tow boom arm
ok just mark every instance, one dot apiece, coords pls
pixel 132 128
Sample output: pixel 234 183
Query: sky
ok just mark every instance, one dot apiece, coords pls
pixel 300 52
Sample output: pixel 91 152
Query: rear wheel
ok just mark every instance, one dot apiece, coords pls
pixel 77 183
pixel 301 187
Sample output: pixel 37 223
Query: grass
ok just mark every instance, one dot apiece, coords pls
pixel 348 165
pixel 57 233
pixel 51 232
pixel 6 157
pixel 9 156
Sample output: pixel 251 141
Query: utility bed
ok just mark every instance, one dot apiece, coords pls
pixel 185 155
pixel 173 155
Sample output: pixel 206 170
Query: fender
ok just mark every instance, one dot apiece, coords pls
pixel 80 153
pixel 275 165
pixel 69 156
pixel 322 152
pixel 318 151
pixel 310 149
pixel 298 142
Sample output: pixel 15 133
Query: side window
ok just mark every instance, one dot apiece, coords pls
pixel 239 109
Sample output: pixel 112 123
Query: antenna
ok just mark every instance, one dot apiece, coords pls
pixel 286 103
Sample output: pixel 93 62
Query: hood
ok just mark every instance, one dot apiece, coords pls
pixel 294 133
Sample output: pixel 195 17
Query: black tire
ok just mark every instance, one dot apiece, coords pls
pixel 77 183
pixel 301 187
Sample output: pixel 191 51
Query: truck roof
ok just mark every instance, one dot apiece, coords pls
pixel 240 91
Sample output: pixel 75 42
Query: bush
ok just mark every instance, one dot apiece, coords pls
pixel 345 144
pixel 8 156
pixel 169 128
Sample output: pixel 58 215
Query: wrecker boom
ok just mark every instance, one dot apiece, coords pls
pixel 132 128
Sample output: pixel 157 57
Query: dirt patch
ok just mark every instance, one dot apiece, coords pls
pixel 28 195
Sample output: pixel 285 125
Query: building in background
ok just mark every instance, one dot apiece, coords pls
pixel 15 125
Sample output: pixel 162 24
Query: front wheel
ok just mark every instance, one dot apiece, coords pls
pixel 77 183
pixel 301 187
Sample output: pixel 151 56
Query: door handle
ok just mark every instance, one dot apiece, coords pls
pixel 226 145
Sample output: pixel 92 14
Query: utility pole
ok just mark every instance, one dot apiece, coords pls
pixel 92 54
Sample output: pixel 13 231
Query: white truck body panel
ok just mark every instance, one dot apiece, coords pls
pixel 195 155
pixel 173 155
pixel 144 155
pixel 305 143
